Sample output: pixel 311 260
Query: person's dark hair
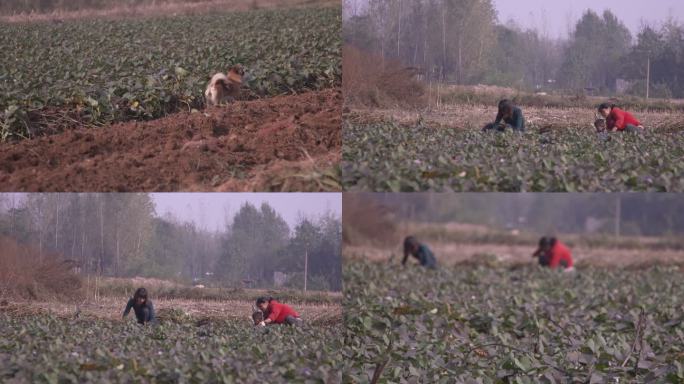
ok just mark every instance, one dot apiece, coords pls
pixel 505 106
pixel 410 242
pixel 263 299
pixel 603 106
pixel 140 293
pixel 543 242
pixel 552 241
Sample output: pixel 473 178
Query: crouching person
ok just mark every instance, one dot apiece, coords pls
pixel 277 313
pixel 554 254
pixel 142 306
pixel 618 120
pixel 509 116
pixel 419 251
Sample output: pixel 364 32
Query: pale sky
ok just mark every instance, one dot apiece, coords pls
pixel 212 210
pixel 563 15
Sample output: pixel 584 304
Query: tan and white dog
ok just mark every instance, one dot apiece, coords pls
pixel 224 87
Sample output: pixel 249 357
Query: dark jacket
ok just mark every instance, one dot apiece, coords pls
pixel 517 121
pixel 144 313
pixel 425 256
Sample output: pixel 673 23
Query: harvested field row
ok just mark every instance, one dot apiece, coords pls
pixel 515 255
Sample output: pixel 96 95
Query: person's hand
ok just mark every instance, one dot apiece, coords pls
pixel 262 324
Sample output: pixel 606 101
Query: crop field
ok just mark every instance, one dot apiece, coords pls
pixel 57 10
pixel 195 341
pixel 48 349
pixel 444 150
pixel 141 81
pixel 99 71
pixel 527 325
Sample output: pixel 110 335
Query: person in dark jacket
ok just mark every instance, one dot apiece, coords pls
pixel 419 251
pixel 142 306
pixel 509 116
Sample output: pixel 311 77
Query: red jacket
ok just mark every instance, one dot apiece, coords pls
pixel 619 119
pixel 559 253
pixel 277 312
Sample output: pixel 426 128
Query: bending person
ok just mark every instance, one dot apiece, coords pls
pixel 509 116
pixel 554 254
pixel 619 120
pixel 142 306
pixel 277 313
pixel 419 251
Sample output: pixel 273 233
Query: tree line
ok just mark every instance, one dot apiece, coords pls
pixel 121 235
pixel 462 42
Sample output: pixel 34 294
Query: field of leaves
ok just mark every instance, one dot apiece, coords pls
pixel 48 349
pixel 486 325
pixel 93 72
pixel 388 155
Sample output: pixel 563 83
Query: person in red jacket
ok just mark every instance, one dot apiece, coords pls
pixel 619 120
pixel 553 254
pixel 277 313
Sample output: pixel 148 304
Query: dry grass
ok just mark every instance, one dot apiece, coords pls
pixel 456 116
pixel 457 244
pixel 314 174
pixel 370 81
pixel 173 8
pixel 480 234
pixel 488 95
pixel 367 222
pixel 471 107
pixel 25 273
pixel 98 288
pixel 105 298
pixel 111 308
pixel 459 253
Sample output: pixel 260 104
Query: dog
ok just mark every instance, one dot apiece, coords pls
pixel 224 87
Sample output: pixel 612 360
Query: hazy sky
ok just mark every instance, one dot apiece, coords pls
pixel 215 206
pixel 561 14
pixel 212 210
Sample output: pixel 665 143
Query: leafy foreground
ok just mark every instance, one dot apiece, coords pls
pixel 94 72
pixel 47 349
pixel 391 157
pixel 497 325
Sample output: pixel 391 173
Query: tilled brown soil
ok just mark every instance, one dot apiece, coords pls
pixel 282 143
